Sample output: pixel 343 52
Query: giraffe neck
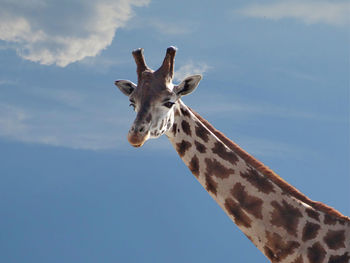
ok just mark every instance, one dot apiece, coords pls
pixel 283 223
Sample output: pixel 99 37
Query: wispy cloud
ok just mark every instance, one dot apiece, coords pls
pixel 11 120
pixel 101 63
pixel 81 118
pixel 308 11
pixel 296 74
pixel 166 28
pixel 57 33
pixel 73 129
pixel 242 109
pixel 190 68
pixel 7 82
pixel 274 149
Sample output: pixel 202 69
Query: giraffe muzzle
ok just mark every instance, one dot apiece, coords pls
pixel 137 139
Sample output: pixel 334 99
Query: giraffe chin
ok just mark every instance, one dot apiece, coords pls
pixel 136 140
pixel 137 145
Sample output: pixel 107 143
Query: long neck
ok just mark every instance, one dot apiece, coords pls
pixel 283 223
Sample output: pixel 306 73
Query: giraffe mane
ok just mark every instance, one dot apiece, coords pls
pixel 271 174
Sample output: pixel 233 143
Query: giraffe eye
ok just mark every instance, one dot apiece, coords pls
pixel 168 104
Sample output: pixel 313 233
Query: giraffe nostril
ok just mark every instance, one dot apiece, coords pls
pixel 141 129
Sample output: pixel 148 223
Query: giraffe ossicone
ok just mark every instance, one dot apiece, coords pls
pixel 284 224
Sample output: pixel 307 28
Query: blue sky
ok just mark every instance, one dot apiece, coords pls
pixel 275 80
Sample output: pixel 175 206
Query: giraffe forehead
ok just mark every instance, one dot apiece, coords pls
pixel 149 96
pixel 153 92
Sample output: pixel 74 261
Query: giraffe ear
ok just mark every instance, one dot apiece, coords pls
pixel 188 85
pixel 125 86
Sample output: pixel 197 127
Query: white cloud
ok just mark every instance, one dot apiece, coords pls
pixel 190 68
pixel 56 33
pixel 308 11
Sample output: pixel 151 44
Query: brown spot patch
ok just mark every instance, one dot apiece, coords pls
pixel 259 181
pixel 310 231
pixel 185 112
pixel 313 214
pixel 200 147
pixel 277 248
pixel 211 185
pixel 194 165
pixel 298 260
pixel 174 128
pixel 345 258
pixel 217 169
pixel 249 203
pixel 182 147
pixel 329 220
pixel 202 132
pixel 186 127
pixel 316 253
pixel 225 153
pixel 239 216
pixel 335 239
pixel 286 216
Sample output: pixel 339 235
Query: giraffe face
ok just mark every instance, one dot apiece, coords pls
pixel 153 99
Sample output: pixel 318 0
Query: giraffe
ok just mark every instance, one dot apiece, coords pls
pixel 284 224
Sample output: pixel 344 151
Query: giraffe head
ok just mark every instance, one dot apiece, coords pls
pixel 154 97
